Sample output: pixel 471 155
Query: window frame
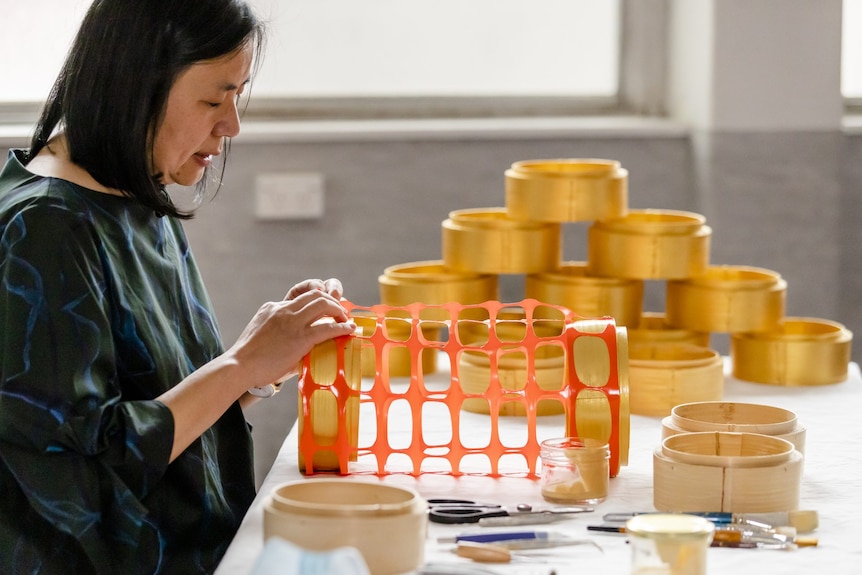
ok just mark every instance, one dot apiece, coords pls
pixel 853 106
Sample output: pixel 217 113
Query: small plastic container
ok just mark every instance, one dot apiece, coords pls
pixel 575 470
pixel 669 543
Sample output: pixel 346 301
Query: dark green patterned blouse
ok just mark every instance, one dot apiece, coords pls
pixel 101 311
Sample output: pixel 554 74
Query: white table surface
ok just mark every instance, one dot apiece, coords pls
pixel 831 484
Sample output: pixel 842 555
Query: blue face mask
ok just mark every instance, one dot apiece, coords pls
pixel 280 557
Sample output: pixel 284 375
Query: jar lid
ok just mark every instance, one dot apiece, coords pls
pixel 673 525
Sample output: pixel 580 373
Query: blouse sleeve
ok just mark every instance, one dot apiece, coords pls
pixel 80 451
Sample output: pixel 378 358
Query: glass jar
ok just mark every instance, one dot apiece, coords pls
pixel 575 470
pixel 669 543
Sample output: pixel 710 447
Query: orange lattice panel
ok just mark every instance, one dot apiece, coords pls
pixel 593 391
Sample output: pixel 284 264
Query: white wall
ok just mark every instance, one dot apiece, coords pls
pixel 749 65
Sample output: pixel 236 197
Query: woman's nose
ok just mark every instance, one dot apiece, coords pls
pixel 229 124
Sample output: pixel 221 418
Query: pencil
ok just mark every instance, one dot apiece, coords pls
pixel 606 528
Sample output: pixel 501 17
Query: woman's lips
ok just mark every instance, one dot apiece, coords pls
pixel 203 159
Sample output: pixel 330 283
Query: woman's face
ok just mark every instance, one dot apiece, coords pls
pixel 201 111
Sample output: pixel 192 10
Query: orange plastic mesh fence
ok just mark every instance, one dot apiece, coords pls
pixel 588 350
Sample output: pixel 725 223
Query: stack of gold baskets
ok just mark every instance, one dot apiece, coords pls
pixel 670 361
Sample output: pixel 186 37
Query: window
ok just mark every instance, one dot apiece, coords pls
pixel 412 57
pixel 331 56
pixel 343 48
pixel 851 52
pixel 36 35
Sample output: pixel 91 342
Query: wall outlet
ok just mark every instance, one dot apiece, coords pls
pixel 289 196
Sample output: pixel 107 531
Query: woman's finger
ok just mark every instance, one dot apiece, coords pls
pixel 332 286
pixel 326 330
pixel 305 287
pixel 316 306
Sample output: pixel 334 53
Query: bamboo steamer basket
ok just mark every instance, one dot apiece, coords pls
pixel 397 359
pixel 570 286
pixel 475 370
pixel 566 190
pixel 649 244
pixel 724 471
pixel 367 324
pixel 735 417
pixel 596 360
pixel 488 241
pixel 432 283
pixel 593 411
pixel 475 366
pixel 802 351
pixel 662 376
pixel 323 406
pixel 388 524
pixel 652 328
pixel 727 299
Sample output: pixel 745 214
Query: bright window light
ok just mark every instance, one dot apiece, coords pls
pixel 35 37
pixel 344 48
pixel 851 50
pixel 376 48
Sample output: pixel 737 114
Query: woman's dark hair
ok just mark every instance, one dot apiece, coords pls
pixel 112 90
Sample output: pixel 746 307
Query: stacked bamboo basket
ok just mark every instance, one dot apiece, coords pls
pixel 625 248
pixel 734 457
pixel 670 359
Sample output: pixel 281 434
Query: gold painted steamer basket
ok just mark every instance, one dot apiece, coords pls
pixel 727 299
pixel 570 286
pixel 593 365
pixel 661 376
pixel 429 282
pixel 475 368
pixel 323 406
pixel 488 241
pixel 432 283
pixel 566 190
pixel 654 329
pixel 650 244
pixel 396 362
pixel 595 394
pixel 802 351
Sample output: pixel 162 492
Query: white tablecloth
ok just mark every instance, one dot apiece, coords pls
pixel 831 485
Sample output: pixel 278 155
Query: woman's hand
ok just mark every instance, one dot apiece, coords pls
pixel 282 333
pixel 268 350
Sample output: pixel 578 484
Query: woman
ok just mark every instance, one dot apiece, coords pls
pixel 123 446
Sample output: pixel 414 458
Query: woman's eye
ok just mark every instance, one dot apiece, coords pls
pixel 213 104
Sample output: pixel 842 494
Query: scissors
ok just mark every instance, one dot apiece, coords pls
pixel 467 511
